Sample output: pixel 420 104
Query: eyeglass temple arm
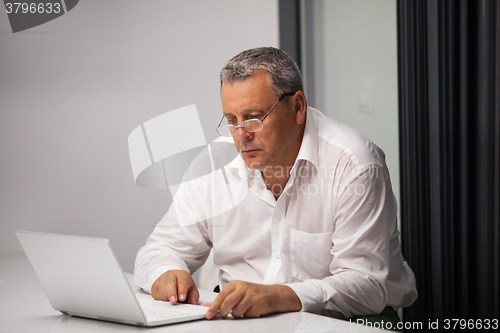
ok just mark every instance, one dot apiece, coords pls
pixel 217 129
pixel 282 96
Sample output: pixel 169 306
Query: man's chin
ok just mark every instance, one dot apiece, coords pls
pixel 253 164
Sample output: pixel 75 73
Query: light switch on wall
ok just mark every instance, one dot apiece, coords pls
pixel 366 96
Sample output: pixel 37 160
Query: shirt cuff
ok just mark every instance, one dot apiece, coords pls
pixel 159 272
pixel 310 296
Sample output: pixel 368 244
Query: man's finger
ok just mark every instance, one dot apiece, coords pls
pixel 215 305
pixel 193 296
pixel 171 289
pixel 158 291
pixel 183 288
pixel 214 308
pixel 155 293
pixel 242 308
pixel 229 302
pixel 218 304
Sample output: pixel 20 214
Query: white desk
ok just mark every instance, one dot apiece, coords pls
pixel 25 308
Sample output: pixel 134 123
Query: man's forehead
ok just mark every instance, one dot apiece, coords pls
pixel 258 80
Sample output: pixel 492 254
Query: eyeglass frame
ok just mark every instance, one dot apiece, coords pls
pixel 261 120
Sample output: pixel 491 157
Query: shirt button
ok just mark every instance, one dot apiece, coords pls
pixel 277 256
pixel 278 218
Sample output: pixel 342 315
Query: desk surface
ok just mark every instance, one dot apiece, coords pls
pixel 25 308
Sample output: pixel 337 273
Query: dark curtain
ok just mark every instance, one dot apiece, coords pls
pixel 449 96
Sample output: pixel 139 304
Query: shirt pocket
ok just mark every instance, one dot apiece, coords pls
pixel 310 254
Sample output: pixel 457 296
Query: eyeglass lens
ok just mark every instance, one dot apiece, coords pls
pixel 251 125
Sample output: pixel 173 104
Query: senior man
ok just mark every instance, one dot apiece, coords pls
pixel 316 230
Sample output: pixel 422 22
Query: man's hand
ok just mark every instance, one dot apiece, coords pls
pixel 253 300
pixel 175 285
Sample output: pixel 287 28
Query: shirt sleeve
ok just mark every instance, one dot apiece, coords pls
pixel 174 244
pixel 365 222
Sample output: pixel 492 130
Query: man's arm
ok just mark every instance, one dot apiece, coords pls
pixel 172 246
pixel 365 225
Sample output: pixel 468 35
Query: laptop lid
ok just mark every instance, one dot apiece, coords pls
pixel 81 276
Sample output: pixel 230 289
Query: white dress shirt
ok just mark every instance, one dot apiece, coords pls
pixel 331 236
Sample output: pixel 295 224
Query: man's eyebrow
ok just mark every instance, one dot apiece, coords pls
pixel 245 112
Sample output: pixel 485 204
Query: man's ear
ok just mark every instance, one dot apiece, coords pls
pixel 300 107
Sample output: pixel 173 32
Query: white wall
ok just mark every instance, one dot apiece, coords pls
pixel 355 41
pixel 73 89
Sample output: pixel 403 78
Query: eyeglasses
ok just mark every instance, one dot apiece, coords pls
pixel 250 125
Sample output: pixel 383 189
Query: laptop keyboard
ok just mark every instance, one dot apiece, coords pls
pixel 153 313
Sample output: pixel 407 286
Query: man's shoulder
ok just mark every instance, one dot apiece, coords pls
pixel 343 141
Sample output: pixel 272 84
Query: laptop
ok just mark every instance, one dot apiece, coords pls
pixel 82 277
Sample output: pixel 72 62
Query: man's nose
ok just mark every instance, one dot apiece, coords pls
pixel 242 134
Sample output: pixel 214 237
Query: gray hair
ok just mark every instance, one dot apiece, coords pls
pixel 283 72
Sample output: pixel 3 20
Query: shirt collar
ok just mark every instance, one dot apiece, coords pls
pixel 308 149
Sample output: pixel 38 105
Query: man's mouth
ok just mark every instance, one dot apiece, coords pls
pixel 249 151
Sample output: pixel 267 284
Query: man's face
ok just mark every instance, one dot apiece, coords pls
pixel 278 142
